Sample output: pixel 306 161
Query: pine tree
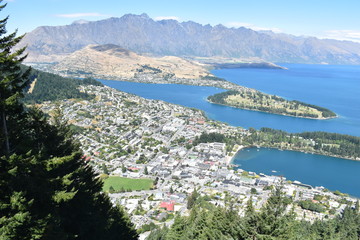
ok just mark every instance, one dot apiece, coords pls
pixel 104 169
pixel 158 234
pixel 274 220
pixel 12 83
pixel 192 199
pixel 111 189
pixel 249 223
pixel 348 224
pixel 46 190
pixel 177 230
pixel 123 168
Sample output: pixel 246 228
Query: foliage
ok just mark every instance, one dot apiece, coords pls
pixel 47 191
pixel 334 144
pixel 255 100
pixel 142 159
pixel 312 206
pixel 192 199
pixel 209 138
pixel 275 220
pixel 212 78
pixel 51 87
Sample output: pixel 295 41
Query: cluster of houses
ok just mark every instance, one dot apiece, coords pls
pixel 134 137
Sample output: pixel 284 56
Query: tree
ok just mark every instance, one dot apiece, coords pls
pixel 249 223
pixel 192 199
pixel 123 168
pixel 177 230
pixel 158 234
pixel 12 83
pixel 111 189
pixel 274 221
pixel 146 171
pixel 104 169
pixel 47 191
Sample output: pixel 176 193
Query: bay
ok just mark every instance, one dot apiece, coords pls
pixel 316 170
pixel 334 87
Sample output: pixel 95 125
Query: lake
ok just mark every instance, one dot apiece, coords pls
pixel 333 87
pixel 316 170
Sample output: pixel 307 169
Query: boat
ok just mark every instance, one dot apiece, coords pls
pixel 274 171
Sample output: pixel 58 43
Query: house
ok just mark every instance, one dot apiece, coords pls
pixel 169 206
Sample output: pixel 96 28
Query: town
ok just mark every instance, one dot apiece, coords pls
pixel 128 137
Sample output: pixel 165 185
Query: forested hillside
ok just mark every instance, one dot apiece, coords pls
pixel 51 87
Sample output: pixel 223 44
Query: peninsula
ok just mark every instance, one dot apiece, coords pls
pixel 112 62
pixel 258 101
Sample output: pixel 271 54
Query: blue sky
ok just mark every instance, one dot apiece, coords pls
pixel 322 18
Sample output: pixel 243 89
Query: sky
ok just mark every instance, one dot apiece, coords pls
pixel 337 19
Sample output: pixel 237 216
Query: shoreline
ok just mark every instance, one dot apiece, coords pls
pixel 294 150
pixel 229 158
pixel 310 152
pixel 192 82
pixel 322 118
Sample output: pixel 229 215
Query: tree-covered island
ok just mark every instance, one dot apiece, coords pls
pixel 258 101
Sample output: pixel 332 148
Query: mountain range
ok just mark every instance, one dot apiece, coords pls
pixel 143 35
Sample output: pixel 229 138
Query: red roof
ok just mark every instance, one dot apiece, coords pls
pixel 86 158
pixel 133 168
pixel 169 206
pixel 209 162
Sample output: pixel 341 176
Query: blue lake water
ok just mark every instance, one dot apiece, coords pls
pixel 334 87
pixel 332 173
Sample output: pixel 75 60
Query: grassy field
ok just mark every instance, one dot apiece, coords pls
pixel 127 183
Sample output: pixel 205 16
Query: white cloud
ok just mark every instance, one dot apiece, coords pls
pixel 238 24
pixel 252 26
pixel 349 35
pixel 77 15
pixel 166 18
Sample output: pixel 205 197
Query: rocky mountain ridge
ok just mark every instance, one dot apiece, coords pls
pixel 141 34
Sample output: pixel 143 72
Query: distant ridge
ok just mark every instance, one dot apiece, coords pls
pixel 110 60
pixel 141 34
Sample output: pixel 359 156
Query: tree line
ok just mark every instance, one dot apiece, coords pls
pixel 275 220
pixel 334 144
